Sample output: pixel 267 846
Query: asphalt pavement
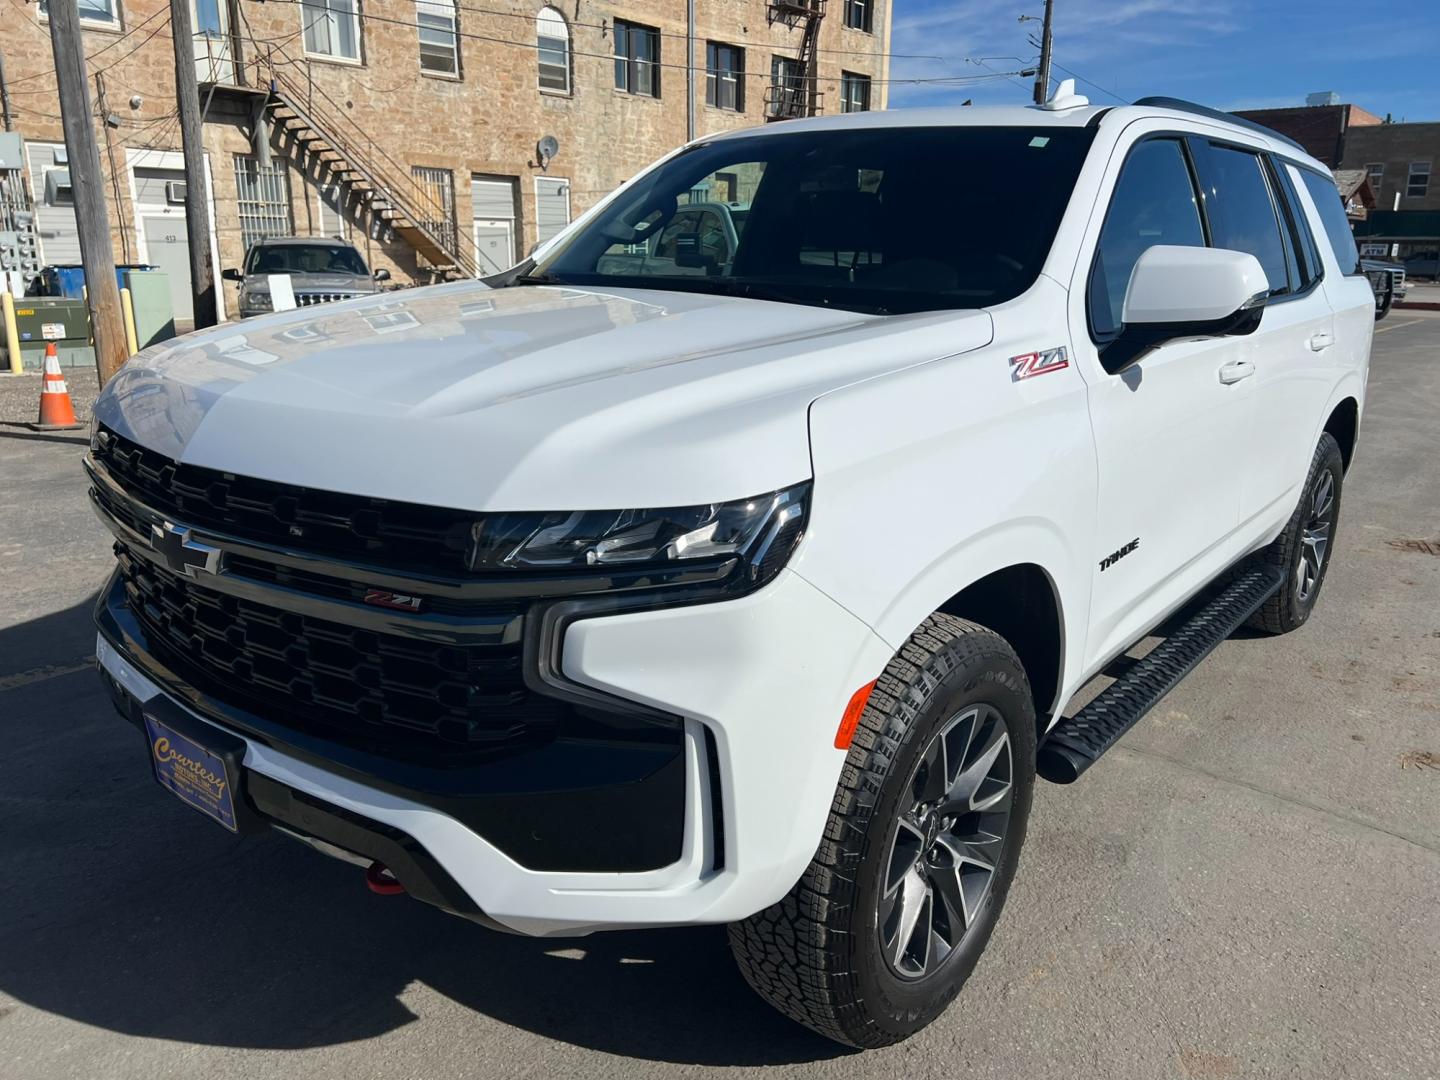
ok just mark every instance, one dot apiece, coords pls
pixel 1249 885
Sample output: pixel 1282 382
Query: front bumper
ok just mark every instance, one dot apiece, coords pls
pixel 759 683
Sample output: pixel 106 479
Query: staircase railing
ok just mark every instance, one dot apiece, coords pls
pixel 389 180
pixel 799 96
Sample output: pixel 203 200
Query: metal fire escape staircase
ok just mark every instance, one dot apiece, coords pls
pixel 788 98
pixel 340 152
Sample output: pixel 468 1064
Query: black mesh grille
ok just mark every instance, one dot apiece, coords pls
pixel 399 536
pixel 433 703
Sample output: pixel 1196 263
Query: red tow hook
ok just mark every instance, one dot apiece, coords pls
pixel 379 878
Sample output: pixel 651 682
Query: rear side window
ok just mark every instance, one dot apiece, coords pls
pixel 1154 203
pixel 1332 215
pixel 1311 268
pixel 1242 213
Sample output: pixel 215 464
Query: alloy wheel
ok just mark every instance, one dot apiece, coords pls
pixel 948 842
pixel 1315 537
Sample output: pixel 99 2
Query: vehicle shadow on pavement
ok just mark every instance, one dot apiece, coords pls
pixel 126 910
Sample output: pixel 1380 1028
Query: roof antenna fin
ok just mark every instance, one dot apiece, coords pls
pixel 1065 98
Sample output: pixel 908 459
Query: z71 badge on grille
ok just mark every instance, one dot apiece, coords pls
pixel 1038 363
pixel 381 598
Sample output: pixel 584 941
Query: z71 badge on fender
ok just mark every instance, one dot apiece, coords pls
pixel 1038 363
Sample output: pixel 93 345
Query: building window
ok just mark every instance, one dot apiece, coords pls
pixel 787 87
pixel 552 37
pixel 332 29
pixel 263 195
pixel 854 92
pixel 1417 185
pixel 439 40
pixel 437 205
pixel 1376 173
pixel 858 14
pixel 94 12
pixel 724 76
pixel 637 59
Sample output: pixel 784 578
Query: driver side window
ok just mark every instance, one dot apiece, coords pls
pixel 1154 203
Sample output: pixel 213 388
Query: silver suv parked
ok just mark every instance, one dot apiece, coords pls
pixel 319 270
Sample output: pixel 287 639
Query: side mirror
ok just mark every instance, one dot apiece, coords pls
pixel 1187 292
pixel 381 275
pixel 231 274
pixel 691 254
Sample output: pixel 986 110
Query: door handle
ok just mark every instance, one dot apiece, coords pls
pixel 1235 371
pixel 1320 341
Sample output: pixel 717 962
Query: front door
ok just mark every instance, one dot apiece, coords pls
pixel 1168 432
pixel 167 248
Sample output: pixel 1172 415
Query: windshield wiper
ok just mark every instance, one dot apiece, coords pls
pixel 538 279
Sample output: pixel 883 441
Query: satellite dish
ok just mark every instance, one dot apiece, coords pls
pixel 546 149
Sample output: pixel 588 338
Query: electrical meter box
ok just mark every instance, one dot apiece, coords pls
pixel 41 320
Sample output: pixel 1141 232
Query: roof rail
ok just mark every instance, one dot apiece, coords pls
pixel 1181 105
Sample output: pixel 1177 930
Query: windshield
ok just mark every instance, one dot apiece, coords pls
pixel 883 220
pixel 305 259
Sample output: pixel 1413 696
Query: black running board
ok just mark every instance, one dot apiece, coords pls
pixel 1075 743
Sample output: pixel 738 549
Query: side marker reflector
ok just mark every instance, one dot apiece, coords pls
pixel 851 719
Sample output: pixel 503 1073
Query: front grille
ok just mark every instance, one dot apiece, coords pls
pixel 428 702
pixel 398 536
pixel 306 299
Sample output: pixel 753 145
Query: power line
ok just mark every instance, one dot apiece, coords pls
pixel 1090 82
pixel 604 27
pixel 471 35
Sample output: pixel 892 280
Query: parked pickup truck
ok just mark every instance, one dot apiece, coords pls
pixel 319 271
pixel 612 594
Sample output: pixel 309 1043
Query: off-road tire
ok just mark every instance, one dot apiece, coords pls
pixel 816 955
pixel 1287 610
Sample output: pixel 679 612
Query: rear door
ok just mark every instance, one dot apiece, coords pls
pixel 1249 205
pixel 1168 432
pixel 1346 287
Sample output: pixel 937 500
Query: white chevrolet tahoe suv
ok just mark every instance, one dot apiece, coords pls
pixel 751 578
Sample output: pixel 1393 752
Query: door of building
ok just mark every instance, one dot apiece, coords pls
pixel 167 248
pixel 492 209
pixel 494 246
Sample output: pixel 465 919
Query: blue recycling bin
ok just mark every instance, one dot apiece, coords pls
pixel 68 279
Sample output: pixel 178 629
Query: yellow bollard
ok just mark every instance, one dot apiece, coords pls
pixel 127 308
pixel 12 334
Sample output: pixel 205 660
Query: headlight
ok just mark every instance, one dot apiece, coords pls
pixel 762 531
pixel 256 301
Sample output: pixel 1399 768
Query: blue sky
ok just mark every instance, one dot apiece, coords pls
pixel 1231 54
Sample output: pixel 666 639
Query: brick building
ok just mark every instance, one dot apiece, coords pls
pixel 418 129
pixel 1398 161
pixel 1320 129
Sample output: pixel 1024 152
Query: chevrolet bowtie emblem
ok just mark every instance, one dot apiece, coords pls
pixel 182 553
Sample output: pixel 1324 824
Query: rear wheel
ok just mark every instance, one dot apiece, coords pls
pixel 1303 549
pixel 919 851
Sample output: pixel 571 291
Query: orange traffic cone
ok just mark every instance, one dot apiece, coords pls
pixel 56 412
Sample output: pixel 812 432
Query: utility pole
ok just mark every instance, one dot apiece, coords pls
pixel 5 94
pixel 197 194
pixel 107 325
pixel 1042 75
pixel 103 101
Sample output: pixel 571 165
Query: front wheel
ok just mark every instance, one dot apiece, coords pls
pixel 919 851
pixel 1303 550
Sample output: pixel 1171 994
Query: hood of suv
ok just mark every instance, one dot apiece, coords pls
pixel 532 398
